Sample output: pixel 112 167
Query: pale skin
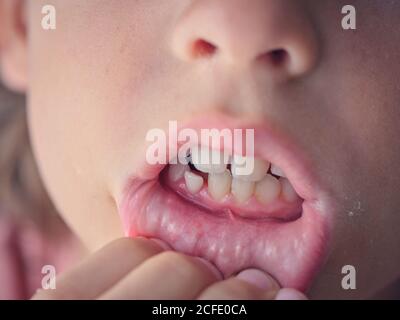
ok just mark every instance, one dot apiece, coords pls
pixel 124 73
pixel 136 269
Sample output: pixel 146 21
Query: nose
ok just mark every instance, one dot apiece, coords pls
pixel 276 35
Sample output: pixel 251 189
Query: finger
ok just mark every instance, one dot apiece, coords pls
pixel 102 270
pixel 290 294
pixel 250 284
pixel 169 275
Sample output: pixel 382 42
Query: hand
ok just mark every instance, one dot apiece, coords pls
pixel 145 269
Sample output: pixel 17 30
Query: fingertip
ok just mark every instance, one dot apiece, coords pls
pixel 211 267
pixel 258 279
pixel 165 246
pixel 290 294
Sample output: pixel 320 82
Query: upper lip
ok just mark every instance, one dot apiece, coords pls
pixel 316 222
pixel 269 144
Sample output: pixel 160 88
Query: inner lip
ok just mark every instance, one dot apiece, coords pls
pixel 292 250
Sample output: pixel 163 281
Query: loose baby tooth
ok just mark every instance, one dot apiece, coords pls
pixel 268 189
pixel 194 182
pixel 177 171
pixel 219 184
pixel 288 192
pixel 242 190
pixel 277 171
pixel 249 169
pixel 208 161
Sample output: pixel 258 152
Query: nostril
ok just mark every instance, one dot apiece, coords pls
pixel 203 49
pixel 277 57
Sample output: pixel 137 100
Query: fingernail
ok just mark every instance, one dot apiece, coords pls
pixel 258 278
pixel 161 243
pixel 211 267
pixel 290 294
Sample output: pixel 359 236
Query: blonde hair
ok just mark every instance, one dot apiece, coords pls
pixel 22 195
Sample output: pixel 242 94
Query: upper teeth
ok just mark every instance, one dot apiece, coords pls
pixel 248 177
pixel 249 169
pixel 208 161
pixel 277 171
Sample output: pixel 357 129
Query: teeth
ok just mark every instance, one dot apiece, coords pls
pixel 241 168
pixel 208 161
pixel 288 192
pixel 268 189
pixel 177 171
pixel 277 171
pixel 219 184
pixel 242 190
pixel 242 182
pixel 194 182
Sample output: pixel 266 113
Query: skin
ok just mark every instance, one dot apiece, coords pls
pixel 138 272
pixel 117 70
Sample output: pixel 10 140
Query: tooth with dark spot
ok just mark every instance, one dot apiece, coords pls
pixel 208 161
pixel 194 182
pixel 177 171
pixel 277 171
pixel 268 189
pixel 219 184
pixel 249 169
pixel 242 190
pixel 288 192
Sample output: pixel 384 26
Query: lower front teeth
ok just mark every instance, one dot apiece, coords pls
pixel 268 189
pixel 219 184
pixel 265 187
pixel 288 192
pixel 177 172
pixel 242 190
pixel 194 182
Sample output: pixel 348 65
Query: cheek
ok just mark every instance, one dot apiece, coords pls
pixel 84 122
pixel 69 131
pixel 67 156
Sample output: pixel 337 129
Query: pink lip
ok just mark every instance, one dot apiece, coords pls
pixel 291 251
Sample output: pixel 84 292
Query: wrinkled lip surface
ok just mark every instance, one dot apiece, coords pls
pixel 291 251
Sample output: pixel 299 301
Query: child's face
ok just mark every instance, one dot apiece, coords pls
pixel 113 70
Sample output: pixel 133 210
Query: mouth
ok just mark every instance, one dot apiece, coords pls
pixel 278 218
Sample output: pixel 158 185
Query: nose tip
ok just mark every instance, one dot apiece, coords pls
pixel 275 35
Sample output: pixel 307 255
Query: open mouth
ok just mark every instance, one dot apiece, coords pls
pixel 277 218
pixel 263 194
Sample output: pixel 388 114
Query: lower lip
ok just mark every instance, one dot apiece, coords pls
pixel 292 252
